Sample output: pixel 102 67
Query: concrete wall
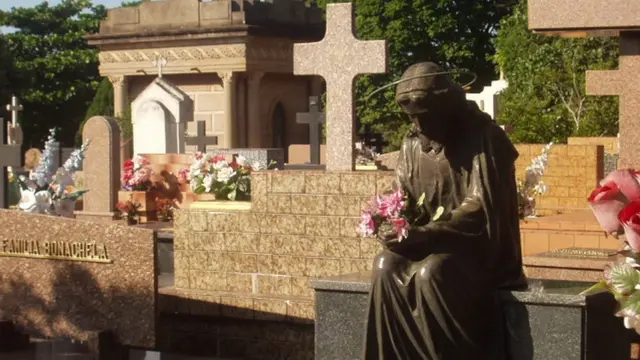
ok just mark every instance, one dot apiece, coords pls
pixel 610 143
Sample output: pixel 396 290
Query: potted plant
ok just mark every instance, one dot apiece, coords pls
pixel 228 181
pixel 130 210
pixel 164 208
pixel 137 186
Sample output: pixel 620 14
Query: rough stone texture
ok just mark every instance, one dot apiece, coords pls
pixel 65 298
pixel 610 143
pixel 554 324
pixel 620 82
pixel 101 168
pixel 571 264
pixel 582 15
pixel 611 162
pixel 339 58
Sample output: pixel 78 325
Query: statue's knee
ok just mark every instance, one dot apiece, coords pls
pixel 383 264
pixel 432 269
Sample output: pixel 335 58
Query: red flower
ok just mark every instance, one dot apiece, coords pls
pixel 606 202
pixel 630 219
pixel 218 158
pixel 128 165
pixel 627 181
pixel 234 165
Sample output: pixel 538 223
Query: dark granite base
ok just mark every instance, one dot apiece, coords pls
pixel 549 324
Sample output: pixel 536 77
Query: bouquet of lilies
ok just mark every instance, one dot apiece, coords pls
pixel 532 184
pixel 51 190
pixel 229 180
pixel 616 206
pixel 395 209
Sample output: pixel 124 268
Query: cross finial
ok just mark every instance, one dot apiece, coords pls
pixel 339 58
pixel 15 107
pixel 160 62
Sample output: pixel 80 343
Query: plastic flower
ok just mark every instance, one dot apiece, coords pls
pixel 367 226
pixel 606 202
pixel 225 174
pixel 627 181
pixel 630 219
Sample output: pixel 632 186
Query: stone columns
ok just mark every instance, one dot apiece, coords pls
pixel 254 132
pixel 120 94
pixel 228 83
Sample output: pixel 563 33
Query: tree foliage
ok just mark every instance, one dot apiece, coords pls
pixel 56 71
pixel 102 105
pixel 457 34
pixel 546 99
pixel 6 65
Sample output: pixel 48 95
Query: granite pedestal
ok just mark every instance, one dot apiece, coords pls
pixel 549 321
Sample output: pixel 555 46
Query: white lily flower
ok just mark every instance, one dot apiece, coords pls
pixel 208 182
pixel 242 161
pixel 223 175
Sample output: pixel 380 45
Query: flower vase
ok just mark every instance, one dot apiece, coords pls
pixel 65 208
pixel 163 218
pixel 147 201
pixel 530 208
pixel 132 221
pixel 15 193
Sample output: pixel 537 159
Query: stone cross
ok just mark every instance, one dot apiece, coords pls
pixel 9 156
pixel 314 119
pixel 160 62
pixel 201 140
pixel 339 58
pixel 14 131
pixel 623 82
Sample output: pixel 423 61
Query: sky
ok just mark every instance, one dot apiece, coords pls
pixel 8 4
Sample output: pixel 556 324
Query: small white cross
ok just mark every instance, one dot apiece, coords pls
pixel 339 58
pixel 14 107
pixel 160 62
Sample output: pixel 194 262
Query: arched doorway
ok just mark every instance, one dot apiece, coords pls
pixel 279 121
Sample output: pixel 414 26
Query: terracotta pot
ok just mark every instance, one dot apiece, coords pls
pixel 147 201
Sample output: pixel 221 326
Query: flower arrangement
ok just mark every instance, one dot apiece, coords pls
pixel 136 174
pixel 129 209
pixel 164 208
pixel 49 190
pixel 211 173
pixel 532 184
pixel 364 154
pixel 394 210
pixel 616 206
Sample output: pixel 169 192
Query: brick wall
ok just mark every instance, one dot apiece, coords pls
pixel 610 143
pixel 301 226
pixel 572 173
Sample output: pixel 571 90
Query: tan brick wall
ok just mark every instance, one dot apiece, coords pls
pixel 610 143
pixel 572 173
pixel 301 226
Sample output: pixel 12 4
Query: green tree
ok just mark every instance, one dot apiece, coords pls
pixel 102 105
pixel 546 99
pixel 457 34
pixel 56 70
pixel 6 65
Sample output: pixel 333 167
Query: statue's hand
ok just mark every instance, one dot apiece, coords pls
pixel 386 236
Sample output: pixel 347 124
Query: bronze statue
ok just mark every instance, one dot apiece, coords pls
pixel 434 294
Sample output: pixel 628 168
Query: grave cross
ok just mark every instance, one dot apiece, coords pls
pixel 15 107
pixel 9 156
pixel 201 140
pixel 339 58
pixel 314 119
pixel 160 62
pixel 623 82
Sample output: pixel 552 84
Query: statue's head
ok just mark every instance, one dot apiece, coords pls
pixel 431 102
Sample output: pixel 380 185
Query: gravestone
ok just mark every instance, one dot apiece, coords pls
pixel 159 117
pixel 201 140
pixel 315 119
pixel 9 156
pixel 64 278
pixel 101 168
pixel 339 58
pixel 14 131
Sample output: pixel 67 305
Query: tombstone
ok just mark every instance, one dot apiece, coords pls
pixel 339 58
pixel 101 168
pixel 315 119
pixel 201 140
pixel 14 131
pixel 159 117
pixel 9 157
pixel 487 99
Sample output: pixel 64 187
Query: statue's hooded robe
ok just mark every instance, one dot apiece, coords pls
pixel 434 296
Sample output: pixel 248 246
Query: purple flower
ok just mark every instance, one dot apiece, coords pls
pixel 391 206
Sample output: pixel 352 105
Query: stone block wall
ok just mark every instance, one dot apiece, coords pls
pixel 301 226
pixel 610 143
pixel 572 173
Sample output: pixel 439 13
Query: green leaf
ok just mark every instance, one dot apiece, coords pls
pixel 631 304
pixel 600 287
pixel 421 200
pixel 232 195
pixel 624 278
pixel 199 190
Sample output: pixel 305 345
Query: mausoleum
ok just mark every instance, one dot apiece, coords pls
pixel 232 58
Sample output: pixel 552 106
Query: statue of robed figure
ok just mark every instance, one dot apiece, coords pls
pixel 435 293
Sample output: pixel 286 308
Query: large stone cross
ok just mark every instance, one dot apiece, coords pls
pixel 339 58
pixel 9 156
pixel 201 140
pixel 623 82
pixel 314 119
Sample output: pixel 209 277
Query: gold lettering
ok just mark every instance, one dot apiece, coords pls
pixel 67 250
pixel 61 250
pixel 46 248
pixel 36 247
pixel 105 253
pixel 5 245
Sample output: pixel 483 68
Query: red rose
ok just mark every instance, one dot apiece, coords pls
pixel 234 165
pixel 628 181
pixel 218 158
pixel 606 202
pixel 128 165
pixel 630 219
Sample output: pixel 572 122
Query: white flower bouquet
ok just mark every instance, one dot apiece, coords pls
pixel 532 184
pixel 49 190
